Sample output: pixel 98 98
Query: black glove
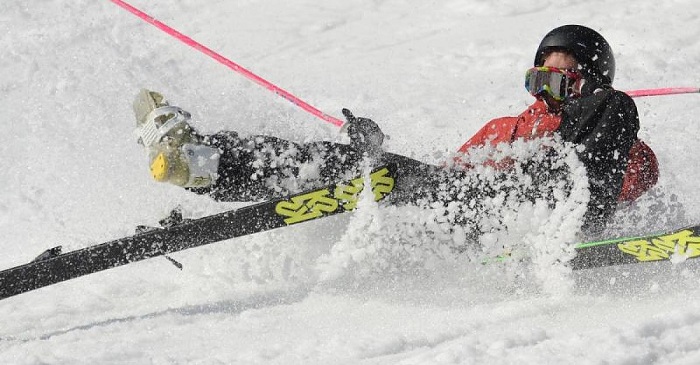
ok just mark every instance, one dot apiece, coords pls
pixel 364 133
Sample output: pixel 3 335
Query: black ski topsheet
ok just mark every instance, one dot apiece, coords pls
pixel 255 218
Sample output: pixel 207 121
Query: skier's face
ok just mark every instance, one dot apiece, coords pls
pixel 561 60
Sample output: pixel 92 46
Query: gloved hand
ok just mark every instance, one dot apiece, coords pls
pixel 364 133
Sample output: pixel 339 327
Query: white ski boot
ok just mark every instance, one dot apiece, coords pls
pixel 175 152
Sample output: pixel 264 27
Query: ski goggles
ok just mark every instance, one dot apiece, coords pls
pixel 558 83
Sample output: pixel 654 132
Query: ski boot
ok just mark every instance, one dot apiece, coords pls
pixel 176 153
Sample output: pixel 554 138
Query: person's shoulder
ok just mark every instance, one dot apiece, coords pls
pixel 536 109
pixel 500 121
pixel 621 100
pixel 612 94
pixel 619 95
pixel 607 97
pixel 494 130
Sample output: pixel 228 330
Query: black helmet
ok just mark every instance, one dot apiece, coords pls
pixel 590 49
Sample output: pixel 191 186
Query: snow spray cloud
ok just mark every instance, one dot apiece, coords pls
pixel 534 207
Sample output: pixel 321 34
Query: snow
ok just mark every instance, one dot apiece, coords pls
pixel 338 291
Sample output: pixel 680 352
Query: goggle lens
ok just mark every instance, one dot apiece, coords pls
pixel 559 84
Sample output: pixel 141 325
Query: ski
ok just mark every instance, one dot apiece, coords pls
pixel 679 244
pixel 683 243
pixel 53 266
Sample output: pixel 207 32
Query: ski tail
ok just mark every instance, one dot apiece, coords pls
pixel 673 245
pixel 680 244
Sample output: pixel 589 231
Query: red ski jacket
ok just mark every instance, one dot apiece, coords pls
pixel 642 167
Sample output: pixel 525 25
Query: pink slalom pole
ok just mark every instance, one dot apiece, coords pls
pixel 663 91
pixel 228 63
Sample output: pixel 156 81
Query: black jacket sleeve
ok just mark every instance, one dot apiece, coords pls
pixel 605 124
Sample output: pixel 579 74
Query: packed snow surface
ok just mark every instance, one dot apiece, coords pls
pixel 355 289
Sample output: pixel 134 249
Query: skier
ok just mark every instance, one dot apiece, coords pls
pixel 572 77
pixel 571 80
